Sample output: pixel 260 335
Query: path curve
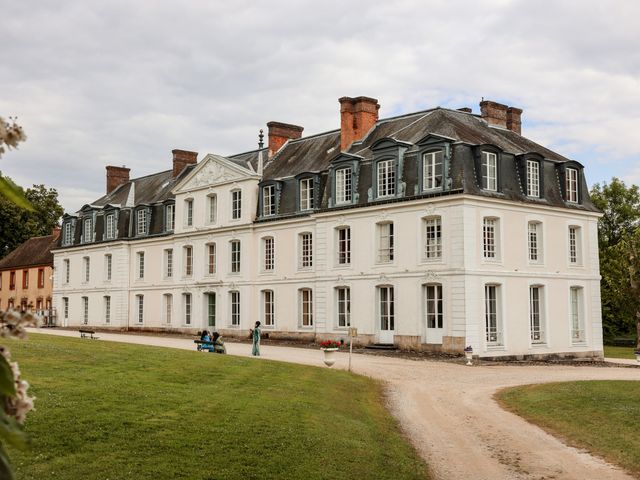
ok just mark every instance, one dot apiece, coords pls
pixel 449 413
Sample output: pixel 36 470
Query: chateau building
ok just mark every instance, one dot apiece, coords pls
pixel 26 277
pixel 432 230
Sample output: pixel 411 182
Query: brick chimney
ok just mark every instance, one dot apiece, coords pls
pixel 357 116
pixel 55 231
pixel 494 113
pixel 116 176
pixel 514 122
pixel 182 158
pixel 279 133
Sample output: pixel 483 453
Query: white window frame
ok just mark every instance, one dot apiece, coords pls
pixel 534 242
pixel 67 270
pixel 385 237
pixel 87 230
pixel 306 250
pixel 167 308
pixel 110 230
pixel 187 305
pixel 305 308
pixel 490 171
pixel 236 312
pixel 537 329
pixel 576 315
pixel 491 239
pixel 386 178
pixel 533 178
pixel 268 308
pixel 188 212
pixel 107 309
pixel 68 233
pixel 235 249
pixel 140 308
pixel 432 231
pixel 386 307
pixel 212 306
pixel 85 310
pixel 343 307
pixel 431 163
pixel 168 263
pixel 268 200
pixel 268 254
pixel 236 204
pixel 572 184
pixel 343 186
pixel 575 245
pixel 140 263
pixel 212 208
pixel 433 305
pixel 170 217
pixel 343 241
pixel 306 194
pixel 188 261
pixel 86 264
pixel 141 222
pixel 494 335
pixel 210 249
pixel 65 307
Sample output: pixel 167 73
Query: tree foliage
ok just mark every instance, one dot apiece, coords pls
pixel 619 240
pixel 18 224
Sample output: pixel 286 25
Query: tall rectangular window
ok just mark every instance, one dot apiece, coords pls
pixel 168 308
pixel 235 308
pixel 489 238
pixel 65 307
pixel 25 279
pixel 111 226
pixel 386 308
pixel 170 217
pixel 212 211
pixel 572 185
pixel 268 200
pixel 87 268
pixel 385 242
pixel 306 194
pixel 107 309
pixel 574 246
pixel 268 254
pixel 140 256
pixel 186 299
pixel 12 279
pixel 236 204
pixel 142 222
pixel 108 267
pixel 41 278
pixel 268 310
pixel 88 230
pixel 536 320
pixel 434 306
pixel 343 186
pixel 489 171
pixel 140 308
pixel 432 238
pixel 235 256
pixel 67 270
pixel 211 309
pixel 188 261
pixel 386 178
pixel 188 213
pixel 68 233
pixel 343 297
pixel 533 178
pixel 306 250
pixel 85 310
pixel 432 170
pixel 492 316
pixel 344 246
pixel 306 307
pixel 211 258
pixel 577 322
pixel 534 237
pixel 168 263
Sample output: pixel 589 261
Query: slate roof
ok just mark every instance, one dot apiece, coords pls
pixel 35 251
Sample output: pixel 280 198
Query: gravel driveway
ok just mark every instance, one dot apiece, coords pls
pixel 449 413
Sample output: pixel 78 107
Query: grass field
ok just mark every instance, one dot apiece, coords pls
pixel 619 352
pixel 117 411
pixel 601 416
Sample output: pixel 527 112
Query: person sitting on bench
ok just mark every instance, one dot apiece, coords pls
pixel 218 344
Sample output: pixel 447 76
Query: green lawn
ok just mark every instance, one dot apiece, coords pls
pixel 115 411
pixel 619 352
pixel 601 416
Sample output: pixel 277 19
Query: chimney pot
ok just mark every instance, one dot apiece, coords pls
pixel 182 158
pixel 514 119
pixel 279 133
pixel 357 116
pixel 116 176
pixel 494 113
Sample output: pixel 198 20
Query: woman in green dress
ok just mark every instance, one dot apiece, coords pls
pixel 255 350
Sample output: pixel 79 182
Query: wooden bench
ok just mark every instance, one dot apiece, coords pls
pixel 84 333
pixel 211 346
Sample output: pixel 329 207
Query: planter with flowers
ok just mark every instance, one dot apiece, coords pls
pixel 468 353
pixel 329 347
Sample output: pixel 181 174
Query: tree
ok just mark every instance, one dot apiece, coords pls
pixel 617 230
pixel 18 224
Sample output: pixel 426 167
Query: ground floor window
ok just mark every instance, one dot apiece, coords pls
pixel 536 317
pixel 387 308
pixel 493 324
pixel 85 310
pixel 268 314
pixel 577 320
pixel 65 307
pixel 168 308
pixel 107 309
pixel 140 308
pixel 186 299
pixel 211 309
pixel 433 306
pixel 306 307
pixel 343 295
pixel 235 308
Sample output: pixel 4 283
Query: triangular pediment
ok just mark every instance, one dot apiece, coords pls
pixel 214 170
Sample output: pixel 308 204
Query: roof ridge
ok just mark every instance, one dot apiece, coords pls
pixel 244 153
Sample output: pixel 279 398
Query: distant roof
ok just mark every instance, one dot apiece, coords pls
pixel 35 251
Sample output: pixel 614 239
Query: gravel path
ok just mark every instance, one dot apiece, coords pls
pixel 449 413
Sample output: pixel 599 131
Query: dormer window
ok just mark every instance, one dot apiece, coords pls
pixel 110 227
pixel 343 186
pixel 68 232
pixel 306 194
pixel 268 200
pixel 490 171
pixel 386 176
pixel 432 170
pixel 87 226
pixel 572 185
pixel 533 178
pixel 141 222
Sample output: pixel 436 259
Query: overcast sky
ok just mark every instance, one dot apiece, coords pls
pixel 123 82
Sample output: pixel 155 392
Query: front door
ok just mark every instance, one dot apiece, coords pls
pixel 387 315
pixel 433 313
